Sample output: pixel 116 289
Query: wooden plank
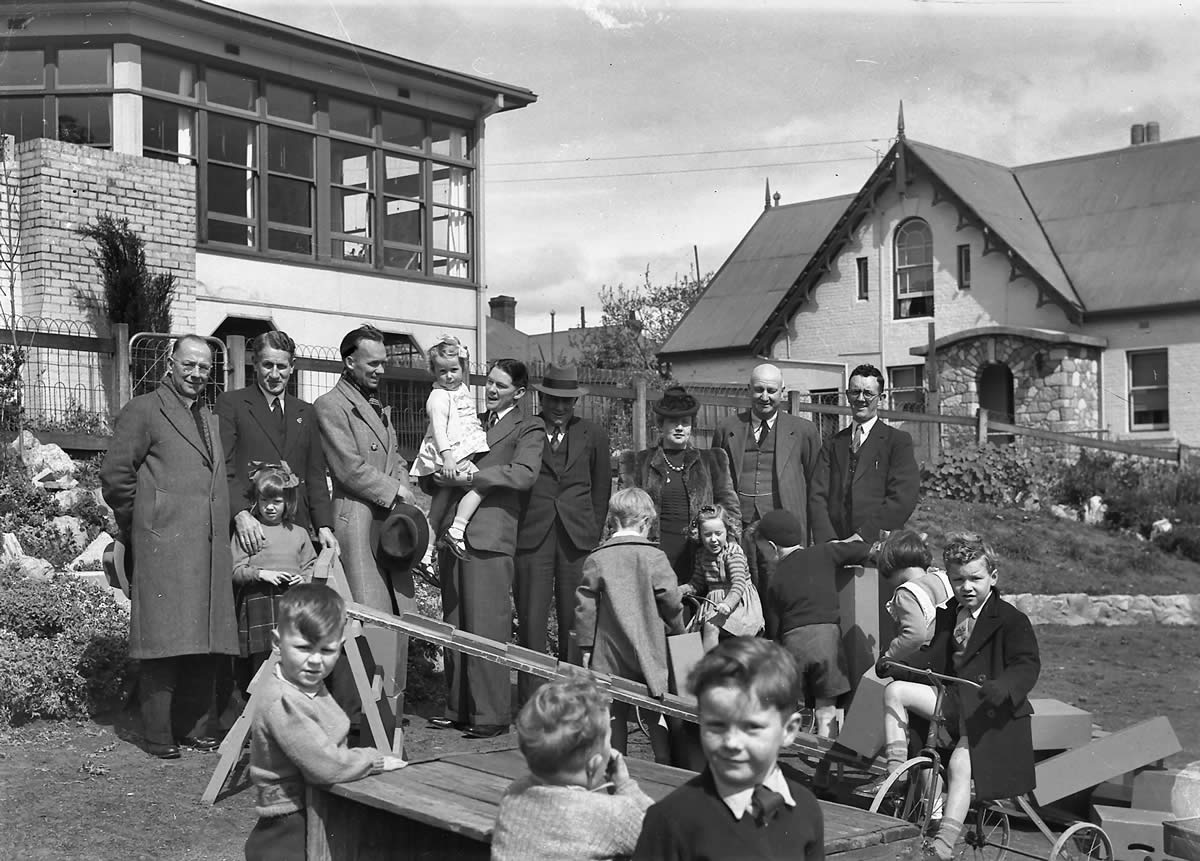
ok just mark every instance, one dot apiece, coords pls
pixel 1059 726
pixel 1104 758
pixel 460 780
pixel 509 763
pixel 395 793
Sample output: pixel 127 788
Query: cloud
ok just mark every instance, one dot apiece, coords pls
pixel 598 14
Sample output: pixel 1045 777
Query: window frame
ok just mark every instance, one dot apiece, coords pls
pixel 902 270
pixel 906 395
pixel 963 258
pixel 1134 390
pixel 863 269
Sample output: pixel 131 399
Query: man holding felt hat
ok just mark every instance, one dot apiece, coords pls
pixel 562 515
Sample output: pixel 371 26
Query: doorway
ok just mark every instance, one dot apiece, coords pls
pixel 996 396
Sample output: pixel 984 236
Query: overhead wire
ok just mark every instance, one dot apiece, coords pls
pixel 680 170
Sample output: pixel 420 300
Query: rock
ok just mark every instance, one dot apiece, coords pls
pixel 31 566
pixel 1094 511
pixel 72 529
pixel 1064 512
pixel 92 557
pixel 68 499
pixel 1160 527
pixel 1173 609
pixel 10 548
pixel 46 463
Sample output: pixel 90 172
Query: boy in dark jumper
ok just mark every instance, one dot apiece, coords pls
pixel 801 609
pixel 744 805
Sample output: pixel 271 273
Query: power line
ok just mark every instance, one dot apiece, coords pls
pixel 682 154
pixel 682 170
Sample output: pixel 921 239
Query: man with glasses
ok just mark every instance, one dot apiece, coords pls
pixel 866 477
pixel 164 477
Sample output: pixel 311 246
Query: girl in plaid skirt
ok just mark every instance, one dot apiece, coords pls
pixel 286 558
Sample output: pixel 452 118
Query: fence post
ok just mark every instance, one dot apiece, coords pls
pixel 122 381
pixel 235 362
pixel 981 426
pixel 1185 455
pixel 794 400
pixel 639 413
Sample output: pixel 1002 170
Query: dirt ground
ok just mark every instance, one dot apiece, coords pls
pixel 87 791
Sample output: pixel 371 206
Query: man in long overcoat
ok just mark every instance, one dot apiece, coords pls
pixel 369 477
pixel 164 478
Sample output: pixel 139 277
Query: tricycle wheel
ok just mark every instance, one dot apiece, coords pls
pixel 986 835
pixel 912 802
pixel 1083 841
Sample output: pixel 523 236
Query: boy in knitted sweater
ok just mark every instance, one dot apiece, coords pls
pixel 578 801
pixel 299 732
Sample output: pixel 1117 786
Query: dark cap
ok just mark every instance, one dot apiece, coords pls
pixel 782 528
pixel 676 403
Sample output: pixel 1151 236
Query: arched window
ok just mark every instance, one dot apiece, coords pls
pixel 914 270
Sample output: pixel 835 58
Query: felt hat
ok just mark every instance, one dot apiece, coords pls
pixel 561 381
pixel 402 537
pixel 782 528
pixel 676 403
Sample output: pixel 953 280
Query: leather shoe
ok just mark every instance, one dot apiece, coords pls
pixel 486 730
pixel 163 751
pixel 446 723
pixel 871 788
pixel 203 743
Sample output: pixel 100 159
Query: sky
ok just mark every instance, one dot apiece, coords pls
pixel 658 124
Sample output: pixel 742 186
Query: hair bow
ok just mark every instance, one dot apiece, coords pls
pixel 258 468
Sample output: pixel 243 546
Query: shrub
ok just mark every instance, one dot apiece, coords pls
pixel 1137 491
pixel 998 475
pixel 1184 540
pixel 63 648
pixel 426 683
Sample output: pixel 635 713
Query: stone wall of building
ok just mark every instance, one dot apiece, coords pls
pixel 1055 385
pixel 66 186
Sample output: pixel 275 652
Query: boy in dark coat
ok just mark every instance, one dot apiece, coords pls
pixel 982 638
pixel 745 804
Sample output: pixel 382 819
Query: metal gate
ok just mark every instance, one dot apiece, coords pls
pixel 149 356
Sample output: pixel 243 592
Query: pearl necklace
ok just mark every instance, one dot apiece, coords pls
pixel 671 466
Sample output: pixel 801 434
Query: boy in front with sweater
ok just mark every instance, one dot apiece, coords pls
pixel 744 805
pixel 299 732
pixel 578 800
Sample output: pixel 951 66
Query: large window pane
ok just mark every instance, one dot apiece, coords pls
pixel 291 243
pixel 168 128
pixel 401 176
pixel 451 140
pixel 350 164
pixel 290 103
pixel 402 221
pixel 231 191
pixel 22 118
pixel 1148 369
pixel 351 252
pixel 451 267
pixel 350 212
pixel 85 120
pixel 350 118
pixel 22 69
pixel 402 258
pixel 290 152
pixel 452 186
pixel 168 75
pixel 228 232
pixel 451 230
pixel 236 91
pixel 403 130
pixel 230 140
pixel 289 201
pixel 81 67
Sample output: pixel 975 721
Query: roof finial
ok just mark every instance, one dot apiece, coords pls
pixel 767 196
pixel 900 122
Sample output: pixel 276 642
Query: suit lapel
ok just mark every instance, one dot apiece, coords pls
pixel 578 438
pixel 364 410
pixel 985 627
pixel 738 438
pixel 256 403
pixel 866 452
pixel 181 419
pixel 502 428
pixel 841 454
pixel 293 418
pixel 785 442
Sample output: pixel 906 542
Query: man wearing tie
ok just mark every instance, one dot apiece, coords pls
pixel 562 516
pixel 866 477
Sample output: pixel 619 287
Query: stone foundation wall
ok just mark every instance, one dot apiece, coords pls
pixel 1108 610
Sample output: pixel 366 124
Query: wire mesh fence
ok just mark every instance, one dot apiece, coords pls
pixel 150 363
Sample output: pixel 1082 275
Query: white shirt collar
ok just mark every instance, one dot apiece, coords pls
pixel 978 609
pixel 270 397
pixel 502 413
pixel 758 423
pixel 866 427
pixel 312 695
pixel 739 802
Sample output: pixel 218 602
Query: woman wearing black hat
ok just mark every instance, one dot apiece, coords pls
pixel 680 478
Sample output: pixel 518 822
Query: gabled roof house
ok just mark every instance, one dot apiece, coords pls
pixel 1063 295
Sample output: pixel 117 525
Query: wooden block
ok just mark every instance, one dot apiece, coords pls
pixel 861 611
pixel 1134 833
pixel 1104 758
pixel 1058 726
pixel 1152 788
pixel 1117 792
pixel 862 730
pixel 1181 838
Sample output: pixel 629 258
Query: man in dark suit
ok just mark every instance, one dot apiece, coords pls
pixel 476 590
pixel 866 477
pixel 164 480
pixel 772 454
pixel 562 516
pixel 262 422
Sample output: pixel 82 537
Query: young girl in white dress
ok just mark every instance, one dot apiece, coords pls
pixel 454 435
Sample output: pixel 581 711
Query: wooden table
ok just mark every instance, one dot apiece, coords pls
pixel 444 809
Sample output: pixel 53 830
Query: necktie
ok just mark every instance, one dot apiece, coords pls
pixel 492 418
pixel 764 804
pixel 762 433
pixel 201 426
pixel 556 437
pixel 858 436
pixel 277 413
pixel 962 631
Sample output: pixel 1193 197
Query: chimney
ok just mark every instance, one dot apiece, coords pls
pixel 504 309
pixel 1152 132
pixel 1137 134
pixel 582 317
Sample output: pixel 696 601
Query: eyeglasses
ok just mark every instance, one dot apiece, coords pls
pixel 859 394
pixel 192 367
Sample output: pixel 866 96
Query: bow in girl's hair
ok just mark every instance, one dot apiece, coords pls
pixel 289 478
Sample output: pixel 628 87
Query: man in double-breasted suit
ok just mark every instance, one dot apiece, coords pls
pixel 562 516
pixel 164 478
pixel 772 455
pixel 369 477
pixel 866 477
pixel 476 589
pixel 262 422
